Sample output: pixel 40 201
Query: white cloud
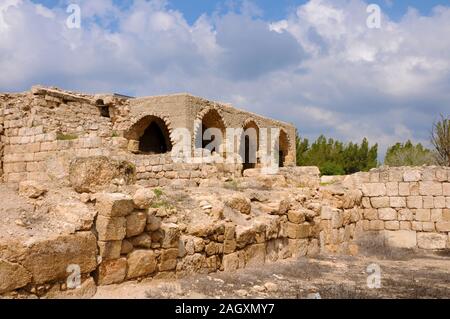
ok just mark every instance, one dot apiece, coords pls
pixel 319 67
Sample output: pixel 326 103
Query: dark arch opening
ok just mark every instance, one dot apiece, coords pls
pixel 250 145
pixel 211 120
pixel 152 134
pixel 283 148
pixel 153 140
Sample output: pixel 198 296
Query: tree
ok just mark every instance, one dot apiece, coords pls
pixel 440 138
pixel 336 158
pixel 408 154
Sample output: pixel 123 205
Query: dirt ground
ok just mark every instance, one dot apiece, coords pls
pixel 403 275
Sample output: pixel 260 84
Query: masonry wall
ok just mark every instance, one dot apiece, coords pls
pixel 409 206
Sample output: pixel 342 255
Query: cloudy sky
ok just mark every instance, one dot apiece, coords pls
pixel 312 63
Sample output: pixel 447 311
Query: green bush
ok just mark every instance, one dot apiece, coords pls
pixel 336 158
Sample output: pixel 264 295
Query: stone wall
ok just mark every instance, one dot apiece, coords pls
pixel 138 243
pixel 409 206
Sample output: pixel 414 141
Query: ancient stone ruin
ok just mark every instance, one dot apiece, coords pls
pixel 95 191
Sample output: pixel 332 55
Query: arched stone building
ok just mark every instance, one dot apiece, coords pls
pixel 45 128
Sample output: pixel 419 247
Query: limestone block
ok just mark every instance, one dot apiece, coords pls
pixel 414 189
pixel 446 215
pixel 48 260
pixel 397 202
pixel 446 189
pixel 370 214
pixel 400 239
pixel 239 202
pixel 141 263
pixel 395 175
pixel 244 236
pixel 392 189
pixel 142 241
pixel 428 202
pixel 114 204
pixel 430 188
pixel 113 228
pixel 412 176
pixel 380 202
pixel 431 240
pixel 414 202
pixel 168 259
pixel 111 272
pixel 405 225
pixel 12 276
pixel 439 202
pixel 296 231
pixel 428 227
pixel 416 226
pixel 387 214
pixel 422 215
pixel 171 235
pixel 436 215
pixel 403 189
pixel 392 225
pixel 296 216
pixel 443 226
pixel 143 198
pixel 126 247
pixel 109 249
pixel 231 262
pixel 328 212
pixel 136 223
pixel 376 225
pixel 153 222
pixel 255 255
pixel 374 189
pixel 405 215
pixel 31 189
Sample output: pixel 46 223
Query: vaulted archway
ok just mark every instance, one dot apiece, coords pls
pixel 283 150
pixel 151 135
pixel 211 133
pixel 249 145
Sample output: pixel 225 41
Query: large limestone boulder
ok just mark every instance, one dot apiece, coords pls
pixel 141 263
pixel 431 240
pixel 31 189
pixel 240 203
pixel 97 173
pixel 12 276
pixel 48 260
pixel 143 198
pixel 401 239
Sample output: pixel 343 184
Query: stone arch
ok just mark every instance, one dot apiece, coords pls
pixel 207 119
pixel 283 147
pixel 150 134
pixel 249 144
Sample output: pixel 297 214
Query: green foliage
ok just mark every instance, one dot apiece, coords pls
pixel 440 138
pixel 408 154
pixel 158 192
pixel 65 137
pixel 336 158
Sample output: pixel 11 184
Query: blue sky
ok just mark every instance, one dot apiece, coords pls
pixel 271 9
pixel 313 63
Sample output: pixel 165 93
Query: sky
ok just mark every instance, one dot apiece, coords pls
pixel 313 63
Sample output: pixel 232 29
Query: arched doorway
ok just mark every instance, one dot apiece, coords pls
pixel 283 150
pixel 250 145
pixel 211 134
pixel 151 134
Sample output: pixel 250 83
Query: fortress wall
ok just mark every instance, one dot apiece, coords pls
pixel 408 206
